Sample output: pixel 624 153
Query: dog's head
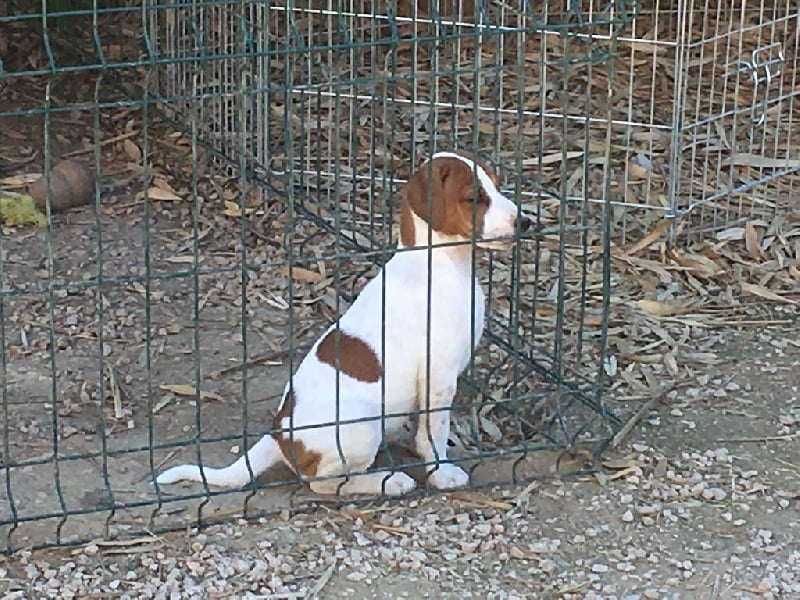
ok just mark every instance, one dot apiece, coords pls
pixel 458 198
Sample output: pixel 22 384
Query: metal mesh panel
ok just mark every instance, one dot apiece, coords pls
pixel 248 158
pixel 711 99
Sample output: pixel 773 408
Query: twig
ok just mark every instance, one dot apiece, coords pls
pixel 397 530
pixel 524 494
pixel 314 592
pixel 117 138
pixel 636 418
pixel 758 440
pixel 272 355
pixel 168 458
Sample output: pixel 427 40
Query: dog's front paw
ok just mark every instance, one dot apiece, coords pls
pixel 448 476
pixel 398 484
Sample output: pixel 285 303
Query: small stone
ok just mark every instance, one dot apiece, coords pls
pixel 381 535
pixel 547 566
pixel 599 568
pixel 716 494
pixel 627 516
pixel 469 547
pixel 91 549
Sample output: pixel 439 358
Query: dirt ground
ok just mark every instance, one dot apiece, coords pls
pixel 700 501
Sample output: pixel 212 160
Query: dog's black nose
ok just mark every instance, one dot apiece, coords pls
pixel 522 223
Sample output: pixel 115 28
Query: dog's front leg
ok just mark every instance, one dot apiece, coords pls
pixel 433 429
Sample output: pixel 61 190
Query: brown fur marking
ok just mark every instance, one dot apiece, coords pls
pixel 300 459
pixel 355 358
pixel 450 188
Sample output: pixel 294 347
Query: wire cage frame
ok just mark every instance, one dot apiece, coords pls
pixel 711 106
pixel 248 156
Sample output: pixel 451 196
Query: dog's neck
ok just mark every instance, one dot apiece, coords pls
pixel 415 233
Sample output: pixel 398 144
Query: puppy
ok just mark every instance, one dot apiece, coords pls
pixel 399 348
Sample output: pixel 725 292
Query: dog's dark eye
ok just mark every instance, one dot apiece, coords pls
pixel 481 200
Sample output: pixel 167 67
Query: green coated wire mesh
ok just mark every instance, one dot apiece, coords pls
pixel 247 157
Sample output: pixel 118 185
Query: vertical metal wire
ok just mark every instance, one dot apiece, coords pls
pixel 606 242
pixel 100 305
pixel 8 460
pixel 339 251
pixel 290 33
pixel 51 299
pixel 678 104
pixel 391 197
pixel 244 151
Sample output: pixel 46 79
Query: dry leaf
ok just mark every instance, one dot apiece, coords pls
pixel 617 464
pixel 660 309
pixel 301 274
pixel 757 161
pixel 139 288
pixel 732 234
pixel 232 209
pixel 19 181
pixel 699 264
pixel 751 239
pixel 553 158
pixel 182 389
pixel 671 364
pixel 132 150
pixel 492 430
pixel 183 260
pixel 162 183
pixel 157 193
pixel 651 237
pixel 757 290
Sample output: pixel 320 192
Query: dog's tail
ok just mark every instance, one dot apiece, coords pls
pixel 262 456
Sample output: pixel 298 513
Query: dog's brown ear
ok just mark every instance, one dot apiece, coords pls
pixel 423 193
pixel 441 171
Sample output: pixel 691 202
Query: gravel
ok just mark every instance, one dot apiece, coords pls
pixel 702 503
pixel 648 527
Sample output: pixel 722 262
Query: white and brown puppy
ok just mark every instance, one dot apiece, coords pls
pixel 381 347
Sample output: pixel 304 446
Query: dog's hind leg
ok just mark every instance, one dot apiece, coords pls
pixel 349 454
pixel 374 483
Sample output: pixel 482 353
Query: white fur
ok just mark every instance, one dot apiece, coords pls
pixel 397 323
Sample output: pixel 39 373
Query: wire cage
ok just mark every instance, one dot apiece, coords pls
pixel 708 120
pixel 247 157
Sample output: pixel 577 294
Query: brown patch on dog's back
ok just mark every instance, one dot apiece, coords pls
pixel 355 358
pixel 303 461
